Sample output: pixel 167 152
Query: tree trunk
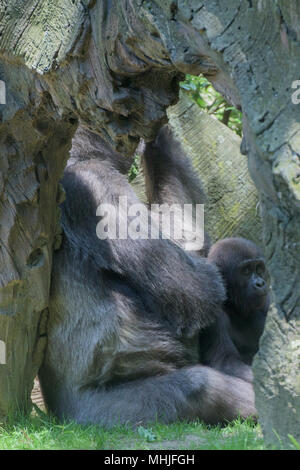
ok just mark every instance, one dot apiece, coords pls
pixel 116 65
pixel 34 141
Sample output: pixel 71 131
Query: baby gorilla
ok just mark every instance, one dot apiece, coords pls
pixel 243 268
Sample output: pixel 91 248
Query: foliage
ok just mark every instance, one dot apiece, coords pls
pixel 43 432
pixel 134 169
pixel 295 443
pixel 147 434
pixel 202 92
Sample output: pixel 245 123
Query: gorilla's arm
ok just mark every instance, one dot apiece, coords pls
pixel 169 174
pixel 217 350
pixel 170 177
pixel 184 289
pixel 245 333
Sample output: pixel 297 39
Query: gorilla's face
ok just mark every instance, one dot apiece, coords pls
pixel 252 286
pixel 246 278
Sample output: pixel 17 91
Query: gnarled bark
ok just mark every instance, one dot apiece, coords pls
pixel 34 141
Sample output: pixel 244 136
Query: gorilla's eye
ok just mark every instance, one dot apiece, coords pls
pixel 260 269
pixel 246 270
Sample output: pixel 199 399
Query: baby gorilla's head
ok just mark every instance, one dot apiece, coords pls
pixel 243 268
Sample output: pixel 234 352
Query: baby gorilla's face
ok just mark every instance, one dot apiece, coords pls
pixel 253 283
pixel 246 278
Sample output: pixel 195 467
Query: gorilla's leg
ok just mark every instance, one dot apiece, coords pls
pixel 185 394
pixel 110 359
pixel 170 177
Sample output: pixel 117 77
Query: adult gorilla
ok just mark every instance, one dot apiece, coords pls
pixel 125 317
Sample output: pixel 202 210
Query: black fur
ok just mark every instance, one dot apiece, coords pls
pixel 170 177
pixel 243 268
pixel 124 322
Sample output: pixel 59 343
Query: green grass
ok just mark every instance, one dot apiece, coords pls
pixel 42 432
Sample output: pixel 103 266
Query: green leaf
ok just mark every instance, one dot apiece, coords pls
pixel 201 103
pixel 185 86
pixel 294 442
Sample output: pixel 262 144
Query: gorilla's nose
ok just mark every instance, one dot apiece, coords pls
pixel 260 284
